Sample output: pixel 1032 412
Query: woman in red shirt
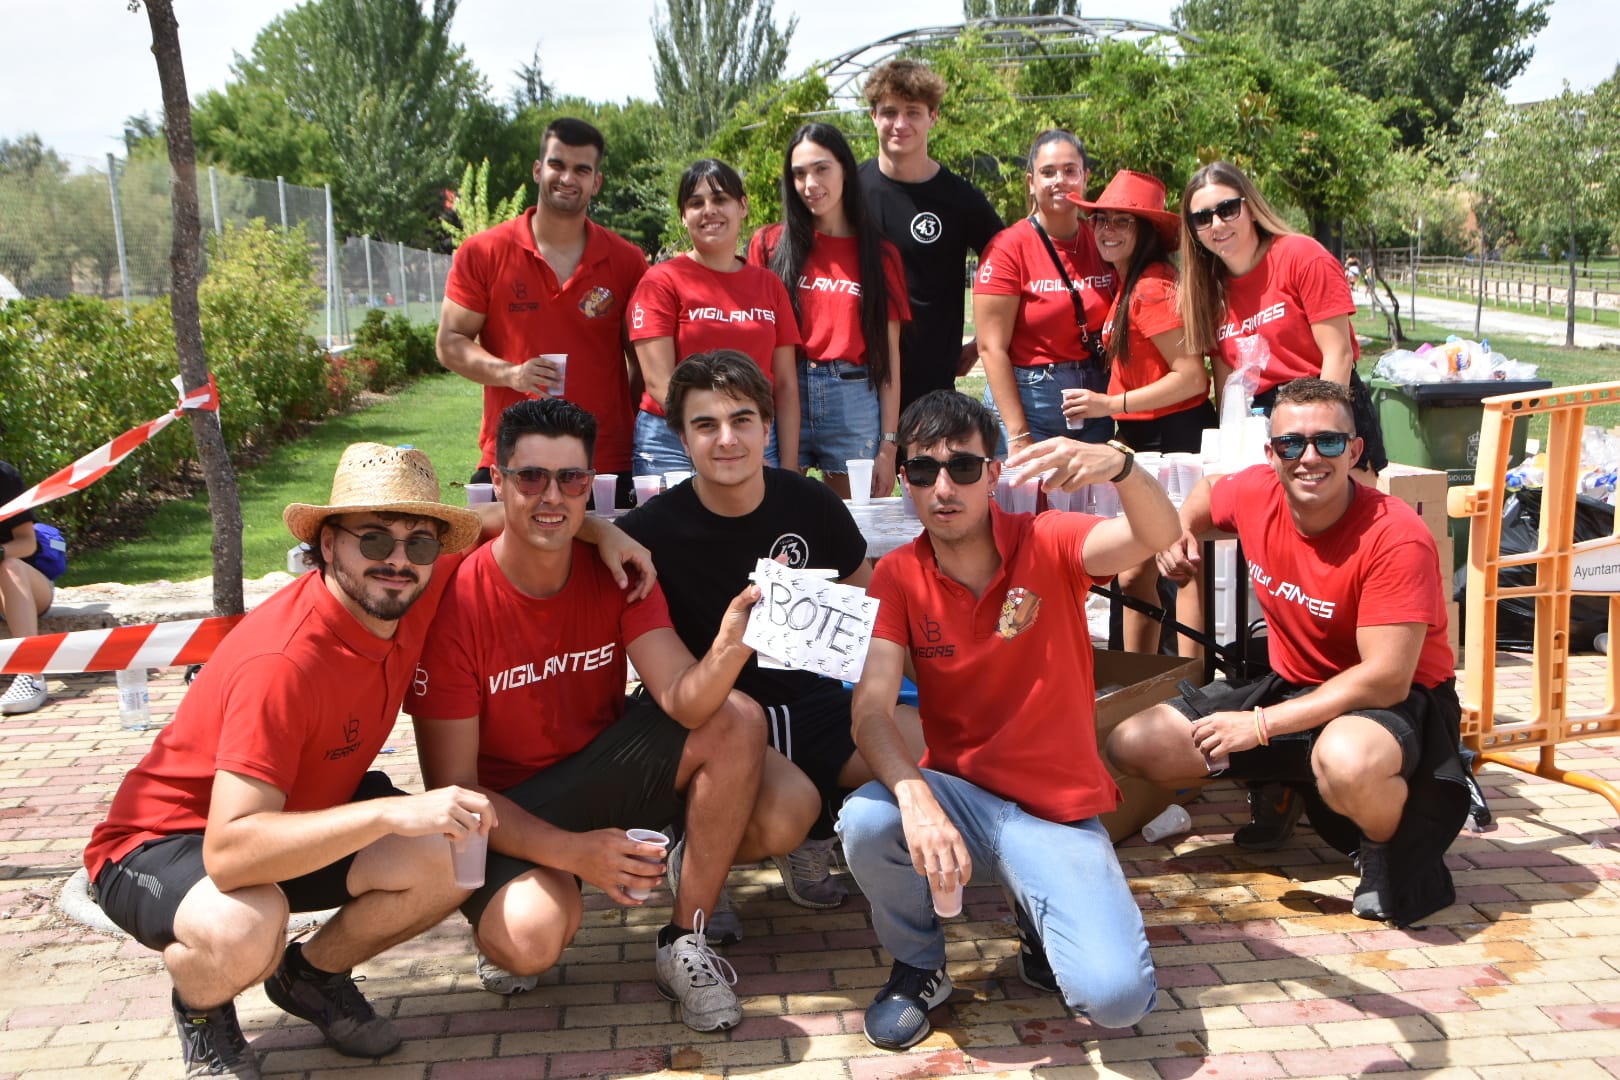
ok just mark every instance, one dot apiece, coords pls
pixel 705 299
pixel 1039 301
pixel 1246 274
pixel 848 287
pixel 1143 337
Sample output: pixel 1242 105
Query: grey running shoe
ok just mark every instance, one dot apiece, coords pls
pixel 725 928
pixel 807 873
pixel 690 973
pixel 211 1042
pixel 335 1005
pixel 26 693
pixel 497 980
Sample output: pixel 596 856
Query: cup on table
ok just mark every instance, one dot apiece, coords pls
pixel 906 502
pixel 675 478
pixel 646 487
pixel 480 493
pixel 647 836
pixel 1058 499
pixel 467 856
pixel 946 889
pixel 560 361
pixel 860 479
pixel 604 490
pixel 1024 496
pixel 1104 500
pixel 1209 444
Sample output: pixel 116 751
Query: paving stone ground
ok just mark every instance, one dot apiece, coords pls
pixel 1263 972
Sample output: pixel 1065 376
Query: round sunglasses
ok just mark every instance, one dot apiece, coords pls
pixel 377 545
pixel 1327 443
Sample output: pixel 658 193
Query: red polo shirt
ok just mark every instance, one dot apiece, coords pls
pixel 501 274
pixel 1004 682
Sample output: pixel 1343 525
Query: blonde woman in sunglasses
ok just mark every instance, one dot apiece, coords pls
pixel 1246 273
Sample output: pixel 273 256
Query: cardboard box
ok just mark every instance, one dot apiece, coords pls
pixel 1424 490
pixel 1126 684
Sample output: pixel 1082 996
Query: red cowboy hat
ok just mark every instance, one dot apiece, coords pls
pixel 1139 194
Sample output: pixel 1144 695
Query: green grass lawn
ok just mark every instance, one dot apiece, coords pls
pixel 439 414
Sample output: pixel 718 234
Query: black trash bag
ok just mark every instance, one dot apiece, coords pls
pixel 1516 616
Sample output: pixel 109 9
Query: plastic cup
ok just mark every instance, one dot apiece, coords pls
pixel 1173 821
pixel 480 493
pixel 947 897
pixel 1209 444
pixel 467 856
pixel 906 502
pixel 675 478
pixel 561 361
pixel 1105 500
pixel 647 487
pixel 1058 499
pixel 1024 496
pixel 604 489
pixel 1072 425
pixel 647 836
pixel 860 479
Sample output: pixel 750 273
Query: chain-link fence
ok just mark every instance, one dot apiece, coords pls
pixel 74 225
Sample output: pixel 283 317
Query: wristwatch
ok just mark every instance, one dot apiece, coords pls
pixel 1130 460
pixel 891 437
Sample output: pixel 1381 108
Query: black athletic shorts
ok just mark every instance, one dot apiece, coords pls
pixel 1288 756
pixel 814 733
pixel 142 891
pixel 623 779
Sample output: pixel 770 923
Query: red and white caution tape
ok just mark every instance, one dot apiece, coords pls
pixel 100 461
pixel 115 648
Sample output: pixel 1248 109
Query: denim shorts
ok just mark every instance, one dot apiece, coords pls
pixel 838 415
pixel 1040 389
pixel 660 450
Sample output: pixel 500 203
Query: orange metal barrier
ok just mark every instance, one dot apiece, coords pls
pixel 1562 568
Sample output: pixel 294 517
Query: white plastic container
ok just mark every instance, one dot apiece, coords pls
pixel 134 700
pixel 1172 822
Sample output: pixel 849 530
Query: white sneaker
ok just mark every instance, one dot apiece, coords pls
pixel 497 980
pixel 726 925
pixel 689 972
pixel 807 873
pixel 27 693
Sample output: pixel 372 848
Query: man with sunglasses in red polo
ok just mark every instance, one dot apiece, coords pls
pixel 521 696
pixel 1359 714
pixel 988 610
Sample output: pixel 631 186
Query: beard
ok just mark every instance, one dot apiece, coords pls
pixel 389 605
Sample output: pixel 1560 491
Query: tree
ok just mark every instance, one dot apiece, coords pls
pixel 224 504
pixel 1422 58
pixel 473 212
pixel 713 54
pixel 391 92
pixel 1007 9
pixel 532 90
pixel 248 129
pixel 1550 165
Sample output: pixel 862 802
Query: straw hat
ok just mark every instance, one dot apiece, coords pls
pixel 1139 194
pixel 390 479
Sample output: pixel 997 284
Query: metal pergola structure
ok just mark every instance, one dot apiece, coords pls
pixel 1006 42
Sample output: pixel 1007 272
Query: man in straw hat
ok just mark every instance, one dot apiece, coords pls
pixel 522 695
pixel 256 800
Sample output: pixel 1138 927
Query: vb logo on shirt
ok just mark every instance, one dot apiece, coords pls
pixel 929 630
pixel 926 227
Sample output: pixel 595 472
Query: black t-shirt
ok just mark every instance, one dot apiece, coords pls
pixel 704 559
pixel 11 486
pixel 933 223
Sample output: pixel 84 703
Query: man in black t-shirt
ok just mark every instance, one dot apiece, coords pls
pixel 706 535
pixel 932 215
pixel 25 593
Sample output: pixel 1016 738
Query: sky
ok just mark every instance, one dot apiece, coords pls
pixel 87 64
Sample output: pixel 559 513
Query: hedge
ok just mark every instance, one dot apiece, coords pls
pixel 76 372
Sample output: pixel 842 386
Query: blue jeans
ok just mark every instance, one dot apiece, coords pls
pixel 838 417
pixel 1040 389
pixel 660 450
pixel 1064 876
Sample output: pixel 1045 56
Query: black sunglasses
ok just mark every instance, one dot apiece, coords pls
pixel 963 469
pixel 377 545
pixel 1327 443
pixel 571 482
pixel 1226 210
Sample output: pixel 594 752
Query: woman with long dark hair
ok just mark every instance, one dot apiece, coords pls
pixel 848 288
pixel 705 299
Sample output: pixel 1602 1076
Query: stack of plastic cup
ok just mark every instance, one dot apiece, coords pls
pixel 1209 446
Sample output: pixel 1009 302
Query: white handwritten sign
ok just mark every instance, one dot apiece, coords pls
pixel 805 622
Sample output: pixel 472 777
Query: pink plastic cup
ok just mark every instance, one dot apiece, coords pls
pixel 467 857
pixel 947 892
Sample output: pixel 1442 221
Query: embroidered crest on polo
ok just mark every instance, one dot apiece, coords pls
pixel 926 227
pixel 1019 609
pixel 597 302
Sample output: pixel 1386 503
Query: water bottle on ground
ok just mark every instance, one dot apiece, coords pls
pixel 134 700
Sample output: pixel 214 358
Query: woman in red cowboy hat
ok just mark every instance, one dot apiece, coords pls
pixel 1158 392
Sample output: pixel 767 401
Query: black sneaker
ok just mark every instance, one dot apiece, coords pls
pixel 1033 967
pixel 1373 890
pixel 1274 810
pixel 211 1042
pixel 898 1016
pixel 335 1005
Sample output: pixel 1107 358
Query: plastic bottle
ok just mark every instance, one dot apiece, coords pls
pixel 1172 821
pixel 134 700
